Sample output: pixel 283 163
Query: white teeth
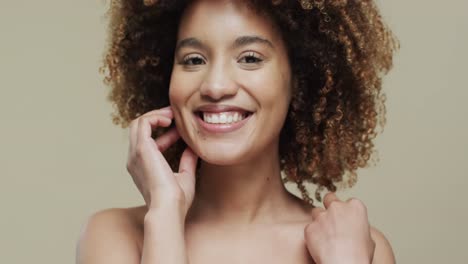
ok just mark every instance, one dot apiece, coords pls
pixel 223 118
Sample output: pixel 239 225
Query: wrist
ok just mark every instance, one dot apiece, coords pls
pixel 346 259
pixel 164 237
pixel 166 204
pixel 359 261
pixel 164 216
pixel 351 261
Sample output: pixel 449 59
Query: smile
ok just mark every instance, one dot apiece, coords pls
pixel 224 117
pixel 218 118
pixel 222 122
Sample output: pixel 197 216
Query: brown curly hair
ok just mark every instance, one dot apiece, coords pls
pixel 339 51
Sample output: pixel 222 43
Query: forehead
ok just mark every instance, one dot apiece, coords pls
pixel 220 21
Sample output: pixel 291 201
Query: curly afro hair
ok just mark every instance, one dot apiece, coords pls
pixel 339 51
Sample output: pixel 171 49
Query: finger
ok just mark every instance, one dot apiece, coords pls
pixel 167 139
pixel 329 198
pixel 133 130
pixel 165 111
pixel 316 212
pixel 188 162
pixel 146 125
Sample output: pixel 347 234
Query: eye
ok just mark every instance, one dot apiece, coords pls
pixel 251 57
pixel 193 60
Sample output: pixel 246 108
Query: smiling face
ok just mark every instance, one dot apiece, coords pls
pixel 231 82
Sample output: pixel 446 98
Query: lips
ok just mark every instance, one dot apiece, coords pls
pixel 221 118
pixel 213 108
pixel 213 113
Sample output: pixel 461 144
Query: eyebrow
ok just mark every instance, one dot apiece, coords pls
pixel 239 42
pixel 247 40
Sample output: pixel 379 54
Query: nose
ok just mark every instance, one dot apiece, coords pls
pixel 218 84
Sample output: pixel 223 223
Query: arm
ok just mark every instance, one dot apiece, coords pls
pixel 110 236
pixel 168 195
pixel 164 240
pixel 383 253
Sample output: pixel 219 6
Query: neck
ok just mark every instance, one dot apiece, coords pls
pixel 247 193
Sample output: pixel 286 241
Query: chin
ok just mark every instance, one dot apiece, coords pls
pixel 223 154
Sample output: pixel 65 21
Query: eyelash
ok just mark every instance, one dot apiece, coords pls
pixel 253 55
pixel 189 59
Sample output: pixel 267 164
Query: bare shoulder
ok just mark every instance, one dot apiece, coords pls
pixel 383 253
pixel 111 236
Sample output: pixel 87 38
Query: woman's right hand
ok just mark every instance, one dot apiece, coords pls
pixel 160 186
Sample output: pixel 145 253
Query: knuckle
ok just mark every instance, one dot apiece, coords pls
pixel 134 123
pixel 333 205
pixel 142 120
pixel 139 153
pixel 357 203
pixel 320 215
pixel 328 195
pixel 132 162
pixel 178 195
pixel 129 166
pixel 309 229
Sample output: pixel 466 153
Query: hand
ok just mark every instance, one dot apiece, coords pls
pixel 153 176
pixel 340 233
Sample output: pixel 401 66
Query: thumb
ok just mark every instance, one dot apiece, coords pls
pixel 186 175
pixel 188 162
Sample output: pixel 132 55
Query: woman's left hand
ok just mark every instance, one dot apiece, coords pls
pixel 340 233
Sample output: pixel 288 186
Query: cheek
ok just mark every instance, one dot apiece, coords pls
pixel 182 86
pixel 177 98
pixel 271 89
pixel 175 91
pixel 181 90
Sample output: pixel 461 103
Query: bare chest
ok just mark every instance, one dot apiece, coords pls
pixel 263 245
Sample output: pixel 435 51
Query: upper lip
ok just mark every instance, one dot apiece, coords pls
pixel 216 108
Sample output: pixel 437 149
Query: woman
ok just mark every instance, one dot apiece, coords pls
pixel 243 90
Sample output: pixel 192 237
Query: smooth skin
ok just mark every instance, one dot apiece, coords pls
pixel 241 213
pixel 119 235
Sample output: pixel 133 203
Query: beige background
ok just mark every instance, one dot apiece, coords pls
pixel 62 159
